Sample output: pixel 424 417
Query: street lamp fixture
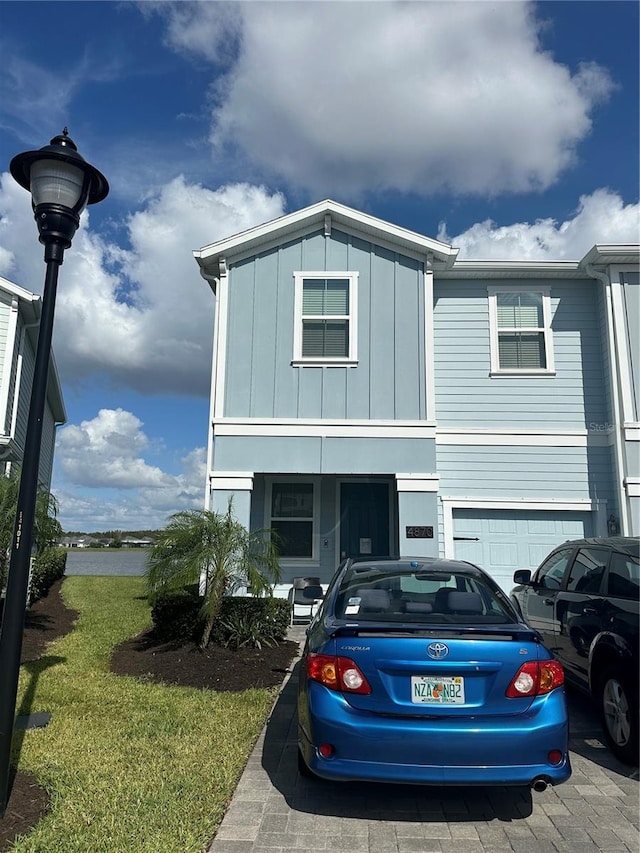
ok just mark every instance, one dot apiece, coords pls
pixel 62 184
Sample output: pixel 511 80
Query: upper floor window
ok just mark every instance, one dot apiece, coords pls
pixel 520 326
pixel 325 318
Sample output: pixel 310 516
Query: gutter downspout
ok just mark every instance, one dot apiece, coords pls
pixel 614 370
pixel 214 282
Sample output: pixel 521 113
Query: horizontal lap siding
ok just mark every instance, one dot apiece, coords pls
pixel 5 313
pixel 388 382
pixel 467 396
pixel 537 473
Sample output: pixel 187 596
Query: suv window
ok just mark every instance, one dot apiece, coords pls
pixel 588 570
pixel 551 572
pixel 624 576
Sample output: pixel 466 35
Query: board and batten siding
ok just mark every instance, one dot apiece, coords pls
pixel 466 394
pixel 388 382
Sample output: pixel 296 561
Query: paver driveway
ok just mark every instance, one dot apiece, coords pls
pixel 276 811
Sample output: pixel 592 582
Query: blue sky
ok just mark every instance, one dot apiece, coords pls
pixel 509 129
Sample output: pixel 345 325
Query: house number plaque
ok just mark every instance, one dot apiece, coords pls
pixel 419 532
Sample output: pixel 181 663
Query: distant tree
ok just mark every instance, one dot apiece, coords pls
pixel 46 529
pixel 116 541
pixel 203 544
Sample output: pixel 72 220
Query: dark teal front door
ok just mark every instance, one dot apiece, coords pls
pixel 364 520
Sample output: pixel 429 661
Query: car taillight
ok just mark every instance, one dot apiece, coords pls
pixel 535 678
pixel 337 673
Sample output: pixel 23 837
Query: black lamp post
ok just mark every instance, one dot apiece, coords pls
pixel 62 184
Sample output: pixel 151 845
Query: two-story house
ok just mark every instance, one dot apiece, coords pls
pixel 20 312
pixel 373 394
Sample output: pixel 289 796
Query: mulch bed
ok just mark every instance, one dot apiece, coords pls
pixel 215 668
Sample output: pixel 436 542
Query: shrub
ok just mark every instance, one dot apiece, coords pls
pixel 251 621
pixel 48 567
pixel 242 620
pixel 176 615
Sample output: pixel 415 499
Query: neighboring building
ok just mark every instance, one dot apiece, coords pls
pixel 20 313
pixel 371 394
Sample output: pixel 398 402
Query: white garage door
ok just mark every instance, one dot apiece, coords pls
pixel 501 541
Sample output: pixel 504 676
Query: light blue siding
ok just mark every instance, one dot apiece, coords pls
pixel 466 395
pixel 317 455
pixel 526 472
pixel 388 382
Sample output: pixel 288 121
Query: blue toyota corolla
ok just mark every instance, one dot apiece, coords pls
pixel 420 670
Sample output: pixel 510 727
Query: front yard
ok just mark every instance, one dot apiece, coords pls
pixel 130 765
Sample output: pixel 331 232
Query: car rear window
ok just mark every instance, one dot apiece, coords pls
pixel 397 594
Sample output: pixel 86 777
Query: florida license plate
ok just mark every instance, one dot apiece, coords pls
pixel 434 690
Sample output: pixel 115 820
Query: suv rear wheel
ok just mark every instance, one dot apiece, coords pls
pixel 619 714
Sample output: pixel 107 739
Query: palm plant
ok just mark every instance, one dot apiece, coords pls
pixel 46 528
pixel 215 551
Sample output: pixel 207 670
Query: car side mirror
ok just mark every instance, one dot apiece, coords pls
pixel 523 577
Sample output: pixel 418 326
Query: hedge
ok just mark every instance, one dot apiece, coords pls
pixel 241 620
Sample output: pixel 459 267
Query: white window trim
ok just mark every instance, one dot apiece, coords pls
pixel 351 359
pixel 496 370
pixel 314 559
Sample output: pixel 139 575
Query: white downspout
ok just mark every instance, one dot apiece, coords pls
pixel 214 283
pixel 614 370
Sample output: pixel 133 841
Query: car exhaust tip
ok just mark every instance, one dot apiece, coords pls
pixel 540 784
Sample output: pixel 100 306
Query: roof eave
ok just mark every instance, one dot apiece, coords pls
pixel 312 217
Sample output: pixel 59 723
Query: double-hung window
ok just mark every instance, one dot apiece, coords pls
pixel 520 326
pixel 294 518
pixel 325 330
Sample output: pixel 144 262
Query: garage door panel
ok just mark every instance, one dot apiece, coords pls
pixel 504 554
pixel 514 539
pixel 502 525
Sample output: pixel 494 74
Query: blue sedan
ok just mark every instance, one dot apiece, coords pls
pixel 420 670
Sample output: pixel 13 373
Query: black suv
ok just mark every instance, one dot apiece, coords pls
pixel 584 600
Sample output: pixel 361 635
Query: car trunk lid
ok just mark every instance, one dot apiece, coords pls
pixel 446 673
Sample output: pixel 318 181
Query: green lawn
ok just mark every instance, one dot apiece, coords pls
pixel 130 766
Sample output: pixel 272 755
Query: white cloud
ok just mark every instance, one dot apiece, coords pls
pixel 421 97
pixel 106 451
pixel 143 314
pixel 106 481
pixel 601 217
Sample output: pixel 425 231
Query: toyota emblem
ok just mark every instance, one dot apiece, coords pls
pixel 437 650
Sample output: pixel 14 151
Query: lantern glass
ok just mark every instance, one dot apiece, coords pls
pixel 56 182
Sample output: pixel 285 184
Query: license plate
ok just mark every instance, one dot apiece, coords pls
pixel 435 690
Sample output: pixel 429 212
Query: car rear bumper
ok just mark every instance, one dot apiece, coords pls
pixel 508 750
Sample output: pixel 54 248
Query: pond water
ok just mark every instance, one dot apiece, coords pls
pixel 108 561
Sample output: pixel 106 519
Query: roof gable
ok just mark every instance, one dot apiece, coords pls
pixel 324 215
